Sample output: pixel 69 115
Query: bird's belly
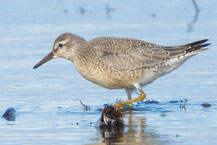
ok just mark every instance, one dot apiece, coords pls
pixel 108 78
pixel 107 82
pixel 117 79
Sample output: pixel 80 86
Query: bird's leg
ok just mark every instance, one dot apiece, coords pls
pixel 121 105
pixel 128 91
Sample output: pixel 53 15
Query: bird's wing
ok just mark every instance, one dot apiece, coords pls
pixel 131 54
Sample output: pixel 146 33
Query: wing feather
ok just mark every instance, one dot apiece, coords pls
pixel 130 54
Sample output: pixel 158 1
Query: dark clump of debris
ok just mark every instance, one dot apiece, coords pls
pixel 180 101
pixel 111 124
pixel 173 102
pixel 10 114
pixel 206 105
pixel 111 118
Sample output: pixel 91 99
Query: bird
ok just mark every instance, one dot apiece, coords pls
pixel 121 63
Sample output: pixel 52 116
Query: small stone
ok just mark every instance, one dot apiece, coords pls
pixel 177 135
pixel 173 101
pixel 10 114
pixel 65 11
pixel 206 105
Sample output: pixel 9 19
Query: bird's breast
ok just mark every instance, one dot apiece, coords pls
pixel 103 75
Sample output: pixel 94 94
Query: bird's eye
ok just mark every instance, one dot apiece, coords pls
pixel 60 45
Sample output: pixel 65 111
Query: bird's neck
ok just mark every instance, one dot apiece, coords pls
pixel 82 53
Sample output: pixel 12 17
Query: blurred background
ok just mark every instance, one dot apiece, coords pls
pixel 47 100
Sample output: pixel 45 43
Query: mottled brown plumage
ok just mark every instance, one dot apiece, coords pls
pixel 121 63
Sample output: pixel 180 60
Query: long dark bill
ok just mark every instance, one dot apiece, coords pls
pixel 44 60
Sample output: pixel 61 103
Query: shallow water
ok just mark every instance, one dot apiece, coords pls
pixel 47 100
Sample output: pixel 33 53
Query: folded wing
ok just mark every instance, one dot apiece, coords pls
pixel 130 54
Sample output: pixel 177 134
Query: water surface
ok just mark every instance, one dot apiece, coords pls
pixel 47 100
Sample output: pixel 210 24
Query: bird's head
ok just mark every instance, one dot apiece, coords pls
pixel 65 46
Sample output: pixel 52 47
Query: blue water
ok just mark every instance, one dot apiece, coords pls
pixel 47 100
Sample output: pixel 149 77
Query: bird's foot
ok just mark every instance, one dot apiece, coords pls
pixel 121 105
pixel 131 105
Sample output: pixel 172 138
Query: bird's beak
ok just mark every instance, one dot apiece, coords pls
pixel 44 60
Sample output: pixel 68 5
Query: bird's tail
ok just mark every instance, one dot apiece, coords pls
pixel 189 49
pixel 196 46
